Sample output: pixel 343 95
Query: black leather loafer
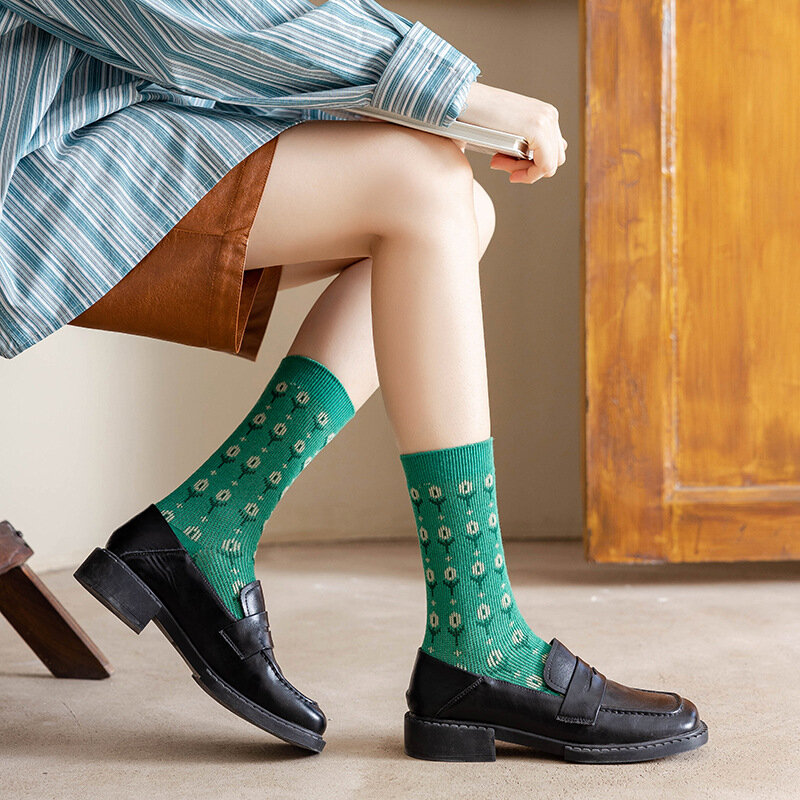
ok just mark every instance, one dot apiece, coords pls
pixel 457 715
pixel 144 573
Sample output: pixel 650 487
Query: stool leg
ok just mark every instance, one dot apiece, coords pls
pixel 48 628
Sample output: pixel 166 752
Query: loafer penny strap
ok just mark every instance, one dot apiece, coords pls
pixel 584 695
pixel 249 636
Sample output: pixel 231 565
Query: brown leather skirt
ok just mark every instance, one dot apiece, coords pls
pixel 192 287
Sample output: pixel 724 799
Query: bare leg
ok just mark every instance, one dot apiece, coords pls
pixel 334 193
pixel 415 212
pixel 337 331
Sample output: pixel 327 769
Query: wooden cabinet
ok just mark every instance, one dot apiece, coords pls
pixel 691 178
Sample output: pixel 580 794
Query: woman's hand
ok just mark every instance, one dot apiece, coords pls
pixel 516 113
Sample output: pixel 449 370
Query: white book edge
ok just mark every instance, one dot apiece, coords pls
pixel 475 137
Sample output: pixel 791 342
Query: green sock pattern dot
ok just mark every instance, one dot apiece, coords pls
pixel 219 512
pixel 473 621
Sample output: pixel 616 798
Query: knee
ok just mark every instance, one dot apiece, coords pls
pixel 425 159
pixel 485 216
pixel 423 178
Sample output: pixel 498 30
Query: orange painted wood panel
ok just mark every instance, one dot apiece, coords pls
pixel 737 185
pixel 692 342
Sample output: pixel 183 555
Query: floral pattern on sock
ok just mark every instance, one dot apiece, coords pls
pixel 473 620
pixel 218 513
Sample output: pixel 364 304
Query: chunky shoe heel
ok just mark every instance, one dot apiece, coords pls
pixel 447 741
pixel 118 588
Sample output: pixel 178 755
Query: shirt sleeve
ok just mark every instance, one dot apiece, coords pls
pixel 270 54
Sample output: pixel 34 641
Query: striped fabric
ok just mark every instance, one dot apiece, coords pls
pixel 117 116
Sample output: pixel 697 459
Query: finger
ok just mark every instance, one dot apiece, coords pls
pixel 507 163
pixel 547 159
pixel 510 164
pixel 530 175
pixel 545 150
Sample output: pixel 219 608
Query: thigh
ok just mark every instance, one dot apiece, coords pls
pixel 304 272
pixel 333 184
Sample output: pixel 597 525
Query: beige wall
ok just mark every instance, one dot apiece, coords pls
pixel 95 425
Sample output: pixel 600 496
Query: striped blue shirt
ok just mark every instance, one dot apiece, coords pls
pixel 117 116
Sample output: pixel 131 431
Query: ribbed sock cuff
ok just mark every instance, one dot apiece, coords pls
pixel 317 378
pixel 465 459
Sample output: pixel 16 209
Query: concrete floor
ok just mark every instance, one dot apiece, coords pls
pixel 347 620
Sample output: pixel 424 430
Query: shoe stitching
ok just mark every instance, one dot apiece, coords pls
pixel 606 748
pixel 257 707
pixel 233 645
pixel 641 713
pixel 302 698
pixel 644 713
pixel 464 725
pixel 237 649
pixel 565 718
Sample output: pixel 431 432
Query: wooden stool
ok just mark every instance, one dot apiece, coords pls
pixel 40 619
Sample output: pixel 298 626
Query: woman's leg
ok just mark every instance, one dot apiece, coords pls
pixel 219 511
pixel 408 199
pixel 337 331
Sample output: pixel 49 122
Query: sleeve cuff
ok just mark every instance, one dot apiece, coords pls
pixel 426 79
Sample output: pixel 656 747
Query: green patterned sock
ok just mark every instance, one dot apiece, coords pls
pixel 219 512
pixel 473 619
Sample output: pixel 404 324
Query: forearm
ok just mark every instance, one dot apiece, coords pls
pixel 288 55
pixel 495 108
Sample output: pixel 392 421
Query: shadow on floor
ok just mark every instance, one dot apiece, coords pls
pixel 114 742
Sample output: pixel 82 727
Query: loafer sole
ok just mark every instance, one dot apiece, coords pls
pixel 106 577
pixel 453 740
